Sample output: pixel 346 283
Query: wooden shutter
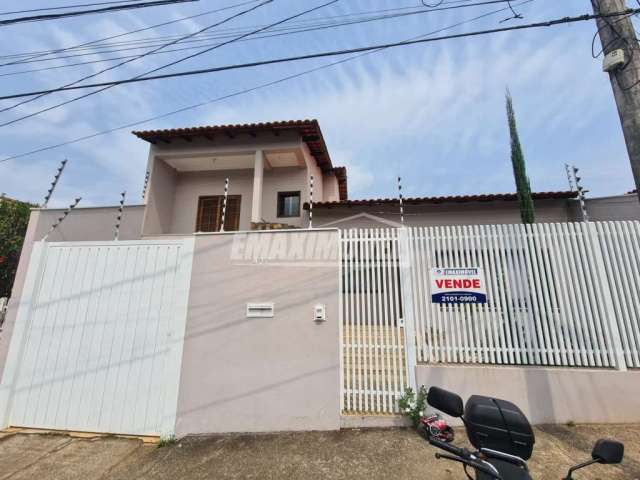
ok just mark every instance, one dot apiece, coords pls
pixel 209 216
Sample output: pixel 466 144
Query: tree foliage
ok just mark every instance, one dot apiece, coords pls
pixel 525 200
pixel 14 218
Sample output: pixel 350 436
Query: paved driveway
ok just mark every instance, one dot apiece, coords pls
pixel 359 454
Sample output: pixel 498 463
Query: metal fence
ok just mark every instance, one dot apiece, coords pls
pixel 557 295
pixel 373 350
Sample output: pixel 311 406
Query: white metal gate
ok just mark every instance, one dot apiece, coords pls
pixel 98 338
pixel 557 295
pixel 374 344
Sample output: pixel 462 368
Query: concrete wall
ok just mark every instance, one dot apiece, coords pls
pixel 81 224
pixel 191 185
pixel 618 207
pixel 546 395
pixel 473 213
pixel 160 198
pixel 259 374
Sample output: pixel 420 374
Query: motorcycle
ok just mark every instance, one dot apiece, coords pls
pixel 502 437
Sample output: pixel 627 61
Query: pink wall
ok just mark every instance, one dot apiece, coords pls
pixel 259 374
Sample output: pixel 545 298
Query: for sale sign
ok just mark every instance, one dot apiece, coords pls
pixel 458 285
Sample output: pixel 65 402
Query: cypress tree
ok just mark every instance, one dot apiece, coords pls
pixel 525 200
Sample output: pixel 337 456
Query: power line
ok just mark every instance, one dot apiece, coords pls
pixel 279 22
pixel 33 55
pixel 67 7
pixel 282 32
pixel 209 27
pixel 244 91
pixel 333 53
pixel 151 40
pixel 55 16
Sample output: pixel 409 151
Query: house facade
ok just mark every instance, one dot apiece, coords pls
pixel 268 169
pixel 198 321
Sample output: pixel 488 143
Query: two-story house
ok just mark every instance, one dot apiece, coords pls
pixel 268 166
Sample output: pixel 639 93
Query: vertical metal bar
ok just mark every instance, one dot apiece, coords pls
pixel 541 284
pixel 375 315
pixel 119 216
pixel 609 319
pixel 146 185
pixel 56 178
pixel 497 322
pixel 597 287
pixel 401 201
pixel 341 318
pixel 394 307
pixel 634 255
pixel 584 279
pixel 461 311
pixel 452 317
pixel 630 297
pixel 540 353
pixel 556 332
pixel 577 307
pixel 360 365
pixel 224 203
pixel 407 301
pixel 350 315
pixel 311 201
pixel 474 309
pixel 515 279
pixel 387 351
pixel 565 300
pixel 478 260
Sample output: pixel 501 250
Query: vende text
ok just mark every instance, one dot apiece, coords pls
pixel 461 283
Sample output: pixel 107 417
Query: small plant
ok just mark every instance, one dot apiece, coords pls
pixel 167 441
pixel 571 424
pixel 412 405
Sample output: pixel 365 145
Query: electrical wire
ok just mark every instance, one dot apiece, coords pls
pixel 56 16
pixel 544 24
pixel 33 55
pixel 175 62
pixel 67 7
pixel 238 92
pixel 209 27
pixel 142 43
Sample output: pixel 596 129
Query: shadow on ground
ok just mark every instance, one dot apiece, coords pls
pixel 354 454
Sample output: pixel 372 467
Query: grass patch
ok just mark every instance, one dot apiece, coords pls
pixel 167 441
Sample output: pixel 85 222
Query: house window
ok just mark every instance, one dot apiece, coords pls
pixel 288 204
pixel 209 218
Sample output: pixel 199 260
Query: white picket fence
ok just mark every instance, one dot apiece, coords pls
pixel 557 295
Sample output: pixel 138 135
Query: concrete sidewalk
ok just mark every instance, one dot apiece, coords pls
pixel 359 454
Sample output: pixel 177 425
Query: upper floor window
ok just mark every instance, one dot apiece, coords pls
pixel 209 218
pixel 288 204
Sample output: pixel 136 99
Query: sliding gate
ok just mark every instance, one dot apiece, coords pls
pixel 557 295
pixel 97 343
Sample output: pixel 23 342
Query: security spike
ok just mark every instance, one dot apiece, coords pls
pixel 119 215
pixel 56 178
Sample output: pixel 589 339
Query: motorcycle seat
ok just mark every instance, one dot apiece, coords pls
pixel 507 470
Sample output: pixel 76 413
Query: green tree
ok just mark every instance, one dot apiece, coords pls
pixel 525 200
pixel 14 217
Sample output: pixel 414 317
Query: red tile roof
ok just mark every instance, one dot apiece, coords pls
pixel 309 131
pixel 446 199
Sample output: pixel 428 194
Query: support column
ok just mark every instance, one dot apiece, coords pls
pixel 258 172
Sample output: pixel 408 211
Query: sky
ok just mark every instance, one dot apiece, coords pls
pixel 432 113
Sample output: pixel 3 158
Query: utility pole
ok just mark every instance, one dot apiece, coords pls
pixel 617 33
